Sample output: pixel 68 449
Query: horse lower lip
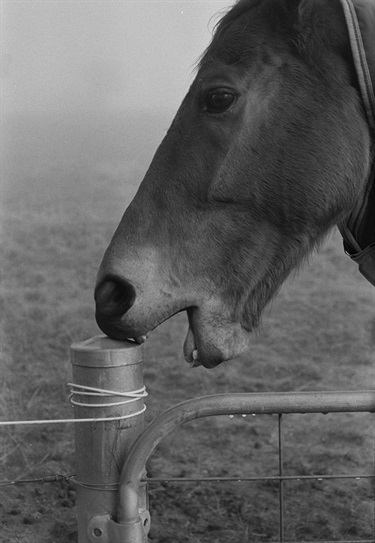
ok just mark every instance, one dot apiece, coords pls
pixel 194 351
pixel 190 348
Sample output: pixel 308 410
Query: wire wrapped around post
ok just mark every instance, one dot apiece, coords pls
pixel 108 390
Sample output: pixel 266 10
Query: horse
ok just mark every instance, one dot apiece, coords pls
pixel 270 149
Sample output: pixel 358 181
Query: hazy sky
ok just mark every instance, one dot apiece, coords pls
pixel 70 55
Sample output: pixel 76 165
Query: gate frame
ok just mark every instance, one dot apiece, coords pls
pixel 222 404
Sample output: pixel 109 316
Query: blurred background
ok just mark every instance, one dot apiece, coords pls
pixel 94 84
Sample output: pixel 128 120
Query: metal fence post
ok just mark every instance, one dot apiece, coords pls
pixel 101 447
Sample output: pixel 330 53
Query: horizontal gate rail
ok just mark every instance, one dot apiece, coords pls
pixel 228 404
pixel 253 479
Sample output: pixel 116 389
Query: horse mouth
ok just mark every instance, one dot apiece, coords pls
pixel 115 330
pixel 198 349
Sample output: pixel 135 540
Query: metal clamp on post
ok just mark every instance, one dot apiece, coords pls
pixel 128 533
pixel 105 530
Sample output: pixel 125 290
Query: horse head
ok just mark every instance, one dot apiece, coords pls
pixel 269 149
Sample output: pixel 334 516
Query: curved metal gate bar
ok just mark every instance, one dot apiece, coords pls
pixel 219 404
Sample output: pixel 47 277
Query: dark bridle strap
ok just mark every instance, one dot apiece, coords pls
pixel 360 20
pixel 358 231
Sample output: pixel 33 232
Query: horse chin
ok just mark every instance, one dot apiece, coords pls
pixel 212 339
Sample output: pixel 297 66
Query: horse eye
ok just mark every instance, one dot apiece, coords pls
pixel 218 101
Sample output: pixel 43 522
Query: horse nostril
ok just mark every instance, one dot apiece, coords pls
pixel 114 297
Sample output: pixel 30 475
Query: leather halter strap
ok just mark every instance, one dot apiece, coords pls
pixel 360 20
pixel 358 231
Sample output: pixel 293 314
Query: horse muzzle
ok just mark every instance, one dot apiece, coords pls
pixel 128 311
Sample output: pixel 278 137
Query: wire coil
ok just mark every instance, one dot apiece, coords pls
pixel 82 390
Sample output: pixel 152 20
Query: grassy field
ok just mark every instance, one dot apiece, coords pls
pixel 61 203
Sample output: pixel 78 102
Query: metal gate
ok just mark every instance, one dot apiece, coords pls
pixel 127 519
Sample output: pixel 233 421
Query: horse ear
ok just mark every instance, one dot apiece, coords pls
pixel 299 10
pixel 301 16
pixel 318 21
